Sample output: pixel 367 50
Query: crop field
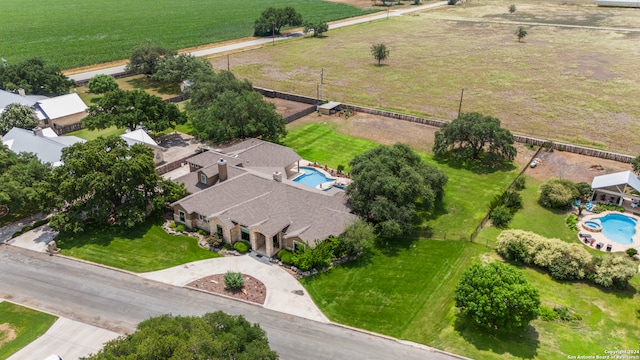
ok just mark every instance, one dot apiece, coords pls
pixel 72 33
pixel 571 84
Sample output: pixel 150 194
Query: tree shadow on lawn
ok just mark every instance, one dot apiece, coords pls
pixel 479 167
pixel 521 343
pixel 95 234
pixel 143 83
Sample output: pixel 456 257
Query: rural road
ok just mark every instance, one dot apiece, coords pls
pixel 118 301
pixel 265 40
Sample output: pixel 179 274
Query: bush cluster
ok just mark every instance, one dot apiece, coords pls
pixel 241 247
pixel 565 261
pixel 503 207
pixel 572 222
pixel 560 193
pixel 233 280
pixel 608 207
pixel 558 313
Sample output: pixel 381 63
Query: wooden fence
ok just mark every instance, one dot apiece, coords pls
pixel 163 169
pixel 299 114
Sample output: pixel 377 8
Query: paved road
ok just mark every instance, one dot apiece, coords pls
pixel 117 301
pixel 265 40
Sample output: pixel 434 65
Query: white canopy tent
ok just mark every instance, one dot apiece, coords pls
pixel 616 185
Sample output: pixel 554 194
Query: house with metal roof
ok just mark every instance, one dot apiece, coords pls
pixel 245 193
pixel 141 137
pixel 43 143
pixel 7 98
pixel 63 110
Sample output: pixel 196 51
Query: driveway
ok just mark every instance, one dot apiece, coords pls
pixel 36 239
pixel 67 338
pixel 284 292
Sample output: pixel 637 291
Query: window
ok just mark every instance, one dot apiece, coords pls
pixel 245 234
pixel 219 230
pixel 200 217
pixel 182 216
pixel 203 178
pixel 276 241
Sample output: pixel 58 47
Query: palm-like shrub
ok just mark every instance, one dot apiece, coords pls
pixel 233 280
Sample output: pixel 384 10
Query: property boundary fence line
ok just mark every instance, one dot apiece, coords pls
pixel 483 222
pixel 299 114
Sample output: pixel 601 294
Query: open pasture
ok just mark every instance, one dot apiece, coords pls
pixel 577 85
pixel 76 33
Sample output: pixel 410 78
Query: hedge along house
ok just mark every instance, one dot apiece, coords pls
pixel 244 193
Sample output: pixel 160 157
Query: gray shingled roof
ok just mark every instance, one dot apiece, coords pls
pixel 208 158
pixel 192 182
pixel 259 153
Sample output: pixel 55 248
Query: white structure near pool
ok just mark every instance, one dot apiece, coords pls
pixel 610 231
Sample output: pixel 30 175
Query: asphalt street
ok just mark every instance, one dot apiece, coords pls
pixel 117 301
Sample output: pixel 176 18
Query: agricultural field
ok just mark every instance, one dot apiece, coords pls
pixel 71 33
pixel 405 287
pixel 570 84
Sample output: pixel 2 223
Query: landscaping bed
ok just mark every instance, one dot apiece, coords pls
pixel 253 291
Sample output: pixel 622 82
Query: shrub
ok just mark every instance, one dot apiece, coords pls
pixel 172 225
pixel 512 200
pixel 572 222
pixel 340 168
pixel 202 232
pixel 315 258
pixel 520 183
pixel 233 280
pixel 557 193
pixel 102 83
pixel 607 207
pixel 614 271
pixel 500 216
pixel 285 256
pixel 561 148
pixel 584 190
pixel 180 228
pixel 357 238
pixel 547 313
pixel 632 252
pixel 241 247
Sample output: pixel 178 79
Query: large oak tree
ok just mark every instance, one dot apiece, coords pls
pixel 36 77
pixel 111 183
pixel 472 135
pixel 17 115
pixel 389 183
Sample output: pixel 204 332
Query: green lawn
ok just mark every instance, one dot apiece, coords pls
pixel 146 247
pixel 72 33
pixel 26 324
pixel 93 134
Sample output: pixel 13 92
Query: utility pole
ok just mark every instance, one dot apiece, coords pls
pixel 460 107
pixel 228 67
pixel 321 82
pixel 273 33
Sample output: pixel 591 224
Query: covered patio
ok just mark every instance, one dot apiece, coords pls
pixel 621 188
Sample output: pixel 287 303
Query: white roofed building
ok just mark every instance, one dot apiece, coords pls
pixel 60 111
pixel 141 137
pixel 616 188
pixel 43 143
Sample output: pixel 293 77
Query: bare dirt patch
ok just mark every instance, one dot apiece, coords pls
pixel 574 167
pixel 7 333
pixel 287 107
pixel 254 290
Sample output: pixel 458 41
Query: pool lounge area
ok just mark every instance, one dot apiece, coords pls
pixel 319 178
pixel 610 231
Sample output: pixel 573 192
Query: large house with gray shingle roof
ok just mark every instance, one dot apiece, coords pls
pixel 245 193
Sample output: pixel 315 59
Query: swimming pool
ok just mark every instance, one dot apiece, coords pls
pixel 312 177
pixel 618 228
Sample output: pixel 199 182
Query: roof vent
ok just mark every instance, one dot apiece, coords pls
pixel 277 176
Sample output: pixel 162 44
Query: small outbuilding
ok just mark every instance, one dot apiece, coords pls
pixel 329 108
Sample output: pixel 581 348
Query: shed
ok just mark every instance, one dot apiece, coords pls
pixel 329 108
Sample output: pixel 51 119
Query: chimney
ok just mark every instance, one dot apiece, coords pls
pixel 222 169
pixel 277 176
pixel 21 92
pixel 38 131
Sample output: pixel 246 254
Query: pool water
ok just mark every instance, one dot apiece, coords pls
pixel 311 177
pixel 618 228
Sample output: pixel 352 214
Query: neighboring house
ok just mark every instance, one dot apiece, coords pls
pixel 61 111
pixel 44 143
pixel 244 193
pixel 141 137
pixel 7 98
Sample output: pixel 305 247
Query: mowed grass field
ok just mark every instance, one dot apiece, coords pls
pixel 405 287
pixel 72 33
pixel 577 85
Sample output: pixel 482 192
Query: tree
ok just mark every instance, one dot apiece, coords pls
pixel 34 76
pixel 521 33
pixel 146 58
pixel 102 83
pixel 207 86
pixel 212 336
pixel 387 185
pixel 178 68
pixel 26 185
pixel 17 115
pixel 272 19
pixel 512 9
pixel 234 115
pixel 318 28
pixel 358 237
pixel 614 271
pixel 557 193
pixel 497 297
pixel 128 109
pixel 471 135
pixel 110 183
pixel 379 52
pixel 636 164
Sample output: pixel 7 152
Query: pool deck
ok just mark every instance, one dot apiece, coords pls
pixel 602 238
pixel 335 179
